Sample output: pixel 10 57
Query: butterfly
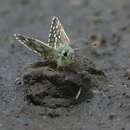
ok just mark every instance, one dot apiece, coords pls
pixel 57 48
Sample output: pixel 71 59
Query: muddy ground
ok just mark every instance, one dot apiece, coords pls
pixel 106 23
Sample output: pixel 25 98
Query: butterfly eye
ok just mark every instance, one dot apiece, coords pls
pixel 65 54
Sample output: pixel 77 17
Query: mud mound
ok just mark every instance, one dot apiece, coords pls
pixel 50 87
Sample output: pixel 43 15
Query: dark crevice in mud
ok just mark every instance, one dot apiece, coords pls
pixel 96 72
pixel 53 88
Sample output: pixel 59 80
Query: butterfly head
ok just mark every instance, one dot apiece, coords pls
pixel 65 55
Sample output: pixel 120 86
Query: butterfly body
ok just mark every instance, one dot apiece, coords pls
pixel 58 47
pixel 64 55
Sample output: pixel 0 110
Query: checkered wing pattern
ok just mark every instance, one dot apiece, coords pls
pixel 33 44
pixel 57 34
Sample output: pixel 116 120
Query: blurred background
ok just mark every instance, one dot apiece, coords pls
pixel 100 28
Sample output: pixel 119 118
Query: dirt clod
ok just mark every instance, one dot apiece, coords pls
pixel 53 88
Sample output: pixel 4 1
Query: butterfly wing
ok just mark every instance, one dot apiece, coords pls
pixel 57 34
pixel 35 45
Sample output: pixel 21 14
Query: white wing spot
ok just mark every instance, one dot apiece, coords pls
pixel 57 26
pixel 53 28
pixel 49 35
pixel 54 35
pixel 54 17
pixel 59 36
pixel 51 24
